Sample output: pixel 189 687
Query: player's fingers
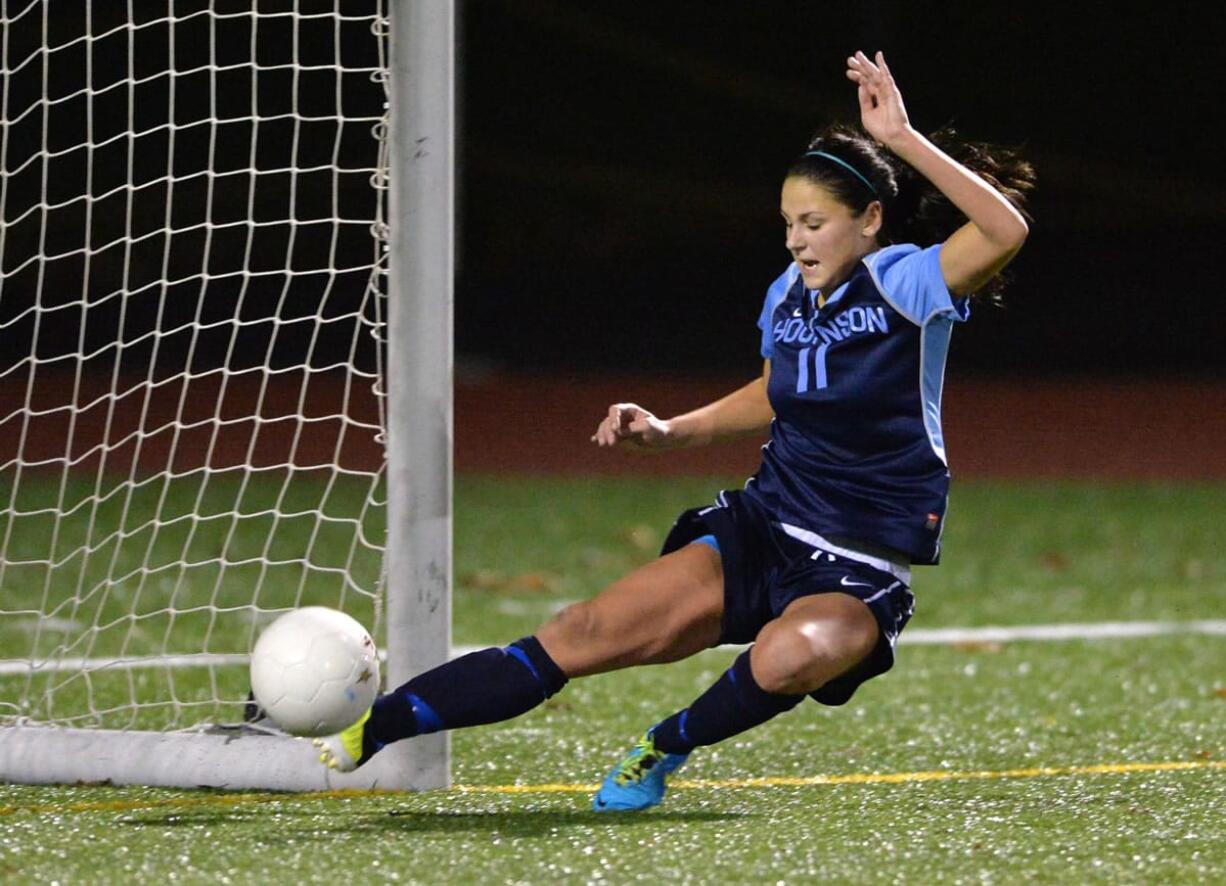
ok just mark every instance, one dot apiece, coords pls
pixel 871 71
pixel 625 415
pixel 633 413
pixel 609 430
pixel 865 95
pixel 887 78
pixel 601 434
pixel 634 430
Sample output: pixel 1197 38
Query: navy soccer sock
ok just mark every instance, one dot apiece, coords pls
pixel 481 687
pixel 733 704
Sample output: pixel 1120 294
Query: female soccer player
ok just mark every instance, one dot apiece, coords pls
pixel 811 560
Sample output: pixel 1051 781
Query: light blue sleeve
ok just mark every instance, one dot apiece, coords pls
pixel 775 294
pixel 910 279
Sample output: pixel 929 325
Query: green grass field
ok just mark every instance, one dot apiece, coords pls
pixel 1034 761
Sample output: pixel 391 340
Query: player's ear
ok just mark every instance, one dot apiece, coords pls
pixel 872 219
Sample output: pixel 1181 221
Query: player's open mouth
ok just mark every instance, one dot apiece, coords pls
pixel 809 265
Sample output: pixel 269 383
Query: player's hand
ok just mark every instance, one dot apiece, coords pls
pixel 631 425
pixel 881 109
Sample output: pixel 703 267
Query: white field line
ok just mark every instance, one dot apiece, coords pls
pixel 1104 630
pixel 10 666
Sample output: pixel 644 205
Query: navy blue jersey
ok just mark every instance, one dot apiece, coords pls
pixel 855 449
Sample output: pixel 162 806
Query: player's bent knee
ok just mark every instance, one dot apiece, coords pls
pixel 780 658
pixel 796 657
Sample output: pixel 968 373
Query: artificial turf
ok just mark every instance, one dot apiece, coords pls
pixel 975 762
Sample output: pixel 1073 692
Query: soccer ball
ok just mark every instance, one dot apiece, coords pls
pixel 314 671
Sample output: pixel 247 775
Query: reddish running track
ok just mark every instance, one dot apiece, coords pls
pixel 1074 428
pixel 1160 429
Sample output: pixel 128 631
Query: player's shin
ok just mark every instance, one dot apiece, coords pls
pixel 482 687
pixel 733 704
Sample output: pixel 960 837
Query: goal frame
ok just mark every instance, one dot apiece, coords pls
pixel 419 435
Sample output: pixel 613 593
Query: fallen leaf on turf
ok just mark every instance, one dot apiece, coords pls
pixel 642 537
pixel 1054 561
pixel 484 580
pixel 978 646
pixel 498 582
pixel 535 581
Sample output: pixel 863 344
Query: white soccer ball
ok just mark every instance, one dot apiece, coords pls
pixel 314 671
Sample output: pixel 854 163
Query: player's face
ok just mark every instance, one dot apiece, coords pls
pixel 825 237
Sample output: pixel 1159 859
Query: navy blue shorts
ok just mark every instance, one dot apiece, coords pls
pixel 767 566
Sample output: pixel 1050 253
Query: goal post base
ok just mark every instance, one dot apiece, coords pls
pixel 223 757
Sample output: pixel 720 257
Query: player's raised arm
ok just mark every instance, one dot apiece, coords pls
pixel 995 230
pixel 745 411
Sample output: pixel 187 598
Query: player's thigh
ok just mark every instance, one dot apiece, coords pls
pixel 814 640
pixel 665 610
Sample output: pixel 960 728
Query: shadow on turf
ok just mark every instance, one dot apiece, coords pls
pixel 524 823
pixel 511 823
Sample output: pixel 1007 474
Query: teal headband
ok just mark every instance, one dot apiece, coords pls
pixel 868 184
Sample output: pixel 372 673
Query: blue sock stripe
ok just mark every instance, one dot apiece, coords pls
pixel 685 715
pixel 522 657
pixel 427 718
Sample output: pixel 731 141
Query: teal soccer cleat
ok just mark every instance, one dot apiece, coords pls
pixel 637 782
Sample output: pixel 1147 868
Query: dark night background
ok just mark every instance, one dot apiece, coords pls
pixel 618 173
pixel 620 167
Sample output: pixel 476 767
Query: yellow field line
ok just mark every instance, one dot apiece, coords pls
pixel 867 778
pixel 863 778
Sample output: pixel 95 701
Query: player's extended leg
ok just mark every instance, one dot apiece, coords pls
pixel 814 640
pixel 666 610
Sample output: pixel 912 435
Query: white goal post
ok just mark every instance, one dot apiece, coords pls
pixel 226 248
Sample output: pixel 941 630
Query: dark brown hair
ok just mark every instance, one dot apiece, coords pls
pixel 913 210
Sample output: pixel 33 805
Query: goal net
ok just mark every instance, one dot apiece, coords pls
pixel 193 267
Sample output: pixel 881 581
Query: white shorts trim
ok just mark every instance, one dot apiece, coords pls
pixel 902 573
